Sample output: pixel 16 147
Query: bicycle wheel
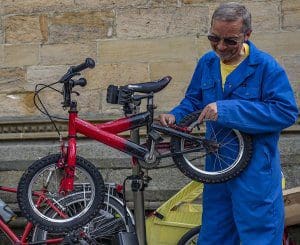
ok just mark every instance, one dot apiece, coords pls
pixel 101 230
pixel 190 237
pixel 38 190
pixel 222 155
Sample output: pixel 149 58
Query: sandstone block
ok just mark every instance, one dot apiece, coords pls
pixel 118 74
pixel 164 3
pixel 203 46
pixel 43 74
pixel 25 28
pixel 276 43
pixel 12 80
pixel 20 105
pixel 1 55
pixel 100 4
pixel 21 55
pixel 147 50
pixel 160 22
pixel 62 54
pixel 292 64
pixel 108 110
pixel 80 26
pixel 36 6
pixel 194 1
pixel 181 73
pixel 265 14
pixel 1 33
pixel 88 102
pixel 291 14
pixel 296 87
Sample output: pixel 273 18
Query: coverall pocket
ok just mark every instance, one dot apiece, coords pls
pixel 208 92
pixel 262 182
pixel 246 93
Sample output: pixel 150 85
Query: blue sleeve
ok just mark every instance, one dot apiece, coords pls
pixel 193 97
pixel 276 111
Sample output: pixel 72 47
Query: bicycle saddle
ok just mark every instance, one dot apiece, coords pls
pixel 150 87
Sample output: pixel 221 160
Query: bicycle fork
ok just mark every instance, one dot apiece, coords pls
pixel 68 156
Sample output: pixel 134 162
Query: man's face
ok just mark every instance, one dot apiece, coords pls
pixel 226 39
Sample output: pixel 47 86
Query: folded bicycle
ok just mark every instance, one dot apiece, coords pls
pixel 112 218
pixel 57 176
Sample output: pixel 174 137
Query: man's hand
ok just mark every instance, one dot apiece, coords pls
pixel 210 112
pixel 166 119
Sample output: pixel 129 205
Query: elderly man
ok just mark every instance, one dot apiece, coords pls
pixel 239 86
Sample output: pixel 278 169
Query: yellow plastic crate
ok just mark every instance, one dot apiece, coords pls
pixel 179 214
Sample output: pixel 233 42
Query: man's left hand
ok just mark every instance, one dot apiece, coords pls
pixel 210 112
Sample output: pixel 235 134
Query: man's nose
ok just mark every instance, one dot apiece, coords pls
pixel 221 45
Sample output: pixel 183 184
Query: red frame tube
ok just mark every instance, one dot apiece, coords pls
pixel 23 239
pixel 105 133
pixel 11 235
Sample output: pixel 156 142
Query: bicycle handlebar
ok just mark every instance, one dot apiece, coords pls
pixel 69 83
pixel 74 70
pixel 81 82
pixel 89 63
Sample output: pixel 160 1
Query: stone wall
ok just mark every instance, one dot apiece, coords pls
pixel 131 41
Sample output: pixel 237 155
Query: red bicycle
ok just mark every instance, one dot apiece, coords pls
pixel 54 177
pixel 110 220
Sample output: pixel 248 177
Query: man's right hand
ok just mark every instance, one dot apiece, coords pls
pixel 166 119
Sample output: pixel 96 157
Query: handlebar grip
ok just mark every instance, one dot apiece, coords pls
pixel 81 82
pixel 89 63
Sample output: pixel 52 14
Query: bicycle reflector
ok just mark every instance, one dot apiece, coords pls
pixel 112 94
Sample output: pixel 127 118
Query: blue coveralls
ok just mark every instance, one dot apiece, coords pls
pixel 258 100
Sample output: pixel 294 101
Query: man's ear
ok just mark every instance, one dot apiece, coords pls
pixel 248 34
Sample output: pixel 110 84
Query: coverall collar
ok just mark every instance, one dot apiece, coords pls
pixel 237 76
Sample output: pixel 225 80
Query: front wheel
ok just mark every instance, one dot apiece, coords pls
pixel 219 155
pixel 101 230
pixel 38 191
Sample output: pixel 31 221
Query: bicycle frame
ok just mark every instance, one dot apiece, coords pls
pixel 107 133
pixel 22 240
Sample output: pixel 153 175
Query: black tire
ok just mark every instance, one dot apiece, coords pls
pixel 87 179
pixel 101 230
pixel 223 168
pixel 190 237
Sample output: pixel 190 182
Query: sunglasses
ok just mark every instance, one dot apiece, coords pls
pixel 227 41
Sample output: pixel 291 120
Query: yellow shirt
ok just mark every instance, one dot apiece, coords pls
pixel 226 69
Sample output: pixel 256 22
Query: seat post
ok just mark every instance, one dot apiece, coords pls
pixel 138 196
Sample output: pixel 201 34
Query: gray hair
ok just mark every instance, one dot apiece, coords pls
pixel 233 11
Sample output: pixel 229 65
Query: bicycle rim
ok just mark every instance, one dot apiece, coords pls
pixel 47 181
pixel 223 158
pixel 215 154
pixel 101 230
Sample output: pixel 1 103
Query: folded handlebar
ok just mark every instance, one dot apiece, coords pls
pixel 89 63
pixel 75 70
pixel 69 83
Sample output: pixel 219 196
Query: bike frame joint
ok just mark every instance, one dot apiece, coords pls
pixel 155 136
pixel 137 183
